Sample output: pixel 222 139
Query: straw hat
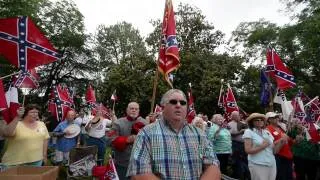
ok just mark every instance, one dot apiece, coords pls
pixel 255 116
pixel 73 129
pixel 271 115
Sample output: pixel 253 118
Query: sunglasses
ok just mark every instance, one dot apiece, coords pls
pixel 174 102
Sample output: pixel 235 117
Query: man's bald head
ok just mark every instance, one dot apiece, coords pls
pixel 71 115
pixel 235 116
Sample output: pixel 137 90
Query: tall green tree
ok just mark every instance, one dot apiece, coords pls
pixel 125 66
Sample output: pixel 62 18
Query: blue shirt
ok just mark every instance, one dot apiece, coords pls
pixel 264 157
pixel 65 144
pixel 179 155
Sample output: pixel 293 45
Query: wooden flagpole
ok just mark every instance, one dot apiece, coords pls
pixel 155 84
pixel 113 105
pixel 270 107
pixel 23 100
pixel 311 101
pixel 155 81
pixel 3 77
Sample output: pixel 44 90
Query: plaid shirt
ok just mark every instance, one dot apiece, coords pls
pixel 158 149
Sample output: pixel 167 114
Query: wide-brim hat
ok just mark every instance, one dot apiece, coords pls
pixel 74 130
pixel 255 116
pixel 271 115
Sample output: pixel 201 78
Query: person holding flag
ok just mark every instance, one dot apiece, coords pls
pixel 27 139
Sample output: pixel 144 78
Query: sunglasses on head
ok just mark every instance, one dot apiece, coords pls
pixel 174 102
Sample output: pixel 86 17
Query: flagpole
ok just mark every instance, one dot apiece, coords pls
pixel 113 105
pixel 270 107
pixel 155 84
pixel 3 77
pixel 155 81
pixel 23 100
pixel 311 101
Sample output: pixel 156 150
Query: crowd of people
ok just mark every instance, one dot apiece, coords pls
pixel 165 146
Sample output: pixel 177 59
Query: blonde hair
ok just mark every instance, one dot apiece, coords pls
pixel 198 119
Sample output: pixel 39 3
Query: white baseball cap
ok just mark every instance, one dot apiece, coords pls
pixel 271 115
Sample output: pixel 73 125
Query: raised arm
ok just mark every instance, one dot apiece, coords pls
pixel 10 129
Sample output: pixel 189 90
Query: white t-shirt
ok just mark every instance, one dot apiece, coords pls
pixel 98 130
pixel 82 121
pixel 233 130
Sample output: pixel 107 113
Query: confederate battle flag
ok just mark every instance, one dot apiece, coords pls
pixel 278 70
pixel 169 51
pixel 59 102
pixel 23 45
pixel 27 79
pixel 90 96
pixel 230 102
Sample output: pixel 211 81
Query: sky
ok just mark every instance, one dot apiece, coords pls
pixel 225 15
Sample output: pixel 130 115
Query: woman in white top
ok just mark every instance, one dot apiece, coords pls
pixel 258 143
pixel 96 129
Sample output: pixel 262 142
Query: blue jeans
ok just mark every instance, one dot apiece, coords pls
pixel 101 144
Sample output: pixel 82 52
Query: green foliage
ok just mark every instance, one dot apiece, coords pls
pixel 297 44
pixel 12 8
pixel 125 66
pixel 64 26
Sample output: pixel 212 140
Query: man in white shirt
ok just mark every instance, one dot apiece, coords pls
pixel 96 129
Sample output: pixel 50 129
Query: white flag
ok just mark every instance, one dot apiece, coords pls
pixel 286 106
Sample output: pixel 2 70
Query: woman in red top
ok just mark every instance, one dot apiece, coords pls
pixel 284 155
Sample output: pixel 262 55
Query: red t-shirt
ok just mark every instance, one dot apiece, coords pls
pixel 285 151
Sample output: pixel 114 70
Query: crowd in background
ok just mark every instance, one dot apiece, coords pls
pixel 260 146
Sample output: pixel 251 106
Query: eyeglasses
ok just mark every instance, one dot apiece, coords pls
pixel 174 102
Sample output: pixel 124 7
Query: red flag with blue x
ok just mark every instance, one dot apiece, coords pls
pixel 278 70
pixel 27 79
pixel 23 45
pixel 169 50
pixel 59 103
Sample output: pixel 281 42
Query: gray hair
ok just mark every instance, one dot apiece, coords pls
pixel 166 95
pixel 215 117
